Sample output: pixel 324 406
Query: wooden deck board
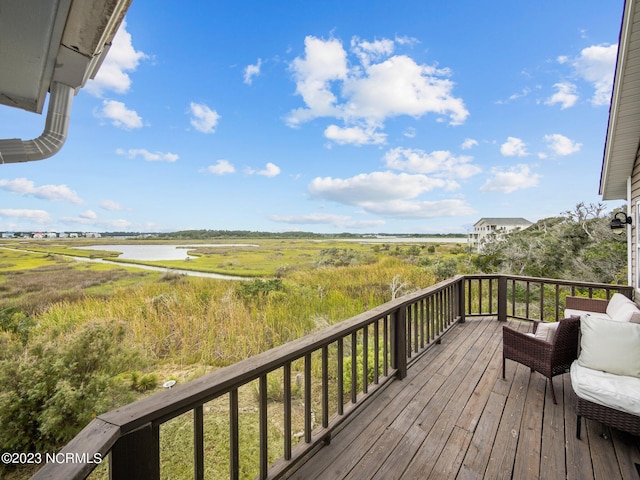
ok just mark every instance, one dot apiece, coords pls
pixel 455 417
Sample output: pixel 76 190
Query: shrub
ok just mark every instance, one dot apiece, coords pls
pixel 55 387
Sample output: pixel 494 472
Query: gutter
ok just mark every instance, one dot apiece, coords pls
pixel 55 132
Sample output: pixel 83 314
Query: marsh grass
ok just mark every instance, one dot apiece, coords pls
pixel 187 326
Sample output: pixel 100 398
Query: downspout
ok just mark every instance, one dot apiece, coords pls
pixel 633 226
pixel 15 150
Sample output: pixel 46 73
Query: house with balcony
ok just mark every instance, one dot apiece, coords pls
pixel 426 397
pixel 488 229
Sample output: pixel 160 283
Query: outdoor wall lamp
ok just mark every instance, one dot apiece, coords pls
pixel 618 224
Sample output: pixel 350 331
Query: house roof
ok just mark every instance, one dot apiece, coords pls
pixel 504 221
pixel 52 41
pixel 623 130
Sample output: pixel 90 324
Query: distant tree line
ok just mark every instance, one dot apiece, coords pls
pixel 209 234
pixel 579 245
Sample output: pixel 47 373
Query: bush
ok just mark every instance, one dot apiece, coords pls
pixel 55 387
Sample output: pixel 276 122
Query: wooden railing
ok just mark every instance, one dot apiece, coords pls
pixel 321 379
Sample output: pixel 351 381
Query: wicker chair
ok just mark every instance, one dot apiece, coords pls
pixel 549 359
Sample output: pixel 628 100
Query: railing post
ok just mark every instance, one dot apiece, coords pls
pixel 399 342
pixel 461 305
pixel 502 298
pixel 137 454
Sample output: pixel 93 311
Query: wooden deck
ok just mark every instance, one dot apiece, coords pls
pixel 455 417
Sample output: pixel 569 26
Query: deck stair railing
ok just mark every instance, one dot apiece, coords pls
pixel 320 379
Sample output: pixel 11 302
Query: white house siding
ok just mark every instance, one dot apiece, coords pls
pixel 635 215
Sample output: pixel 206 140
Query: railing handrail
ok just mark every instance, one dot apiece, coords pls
pixel 183 398
pixel 108 428
pixel 551 281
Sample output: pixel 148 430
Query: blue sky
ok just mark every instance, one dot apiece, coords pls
pixel 334 116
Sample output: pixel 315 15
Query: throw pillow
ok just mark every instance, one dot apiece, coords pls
pixel 610 346
pixel 546 331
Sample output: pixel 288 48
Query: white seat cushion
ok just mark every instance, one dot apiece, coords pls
pixel 568 312
pixel 615 391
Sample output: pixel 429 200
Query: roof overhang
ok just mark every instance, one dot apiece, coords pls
pixel 623 130
pixel 46 41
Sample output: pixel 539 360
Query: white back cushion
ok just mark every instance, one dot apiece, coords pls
pixel 610 346
pixel 547 331
pixel 616 303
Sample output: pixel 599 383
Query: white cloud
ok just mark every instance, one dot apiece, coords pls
pixel 89 215
pixel 373 90
pixel 410 132
pixel 561 145
pixel 111 206
pixel 369 51
pixel 37 216
pixel 596 65
pixel 373 187
pixel 389 194
pixel 120 115
pixel 399 86
pixel 354 135
pixel 122 58
pixel 251 71
pixel 221 167
pixel 440 163
pixel 565 96
pixel 270 170
pixel 508 181
pixel 324 62
pixel 204 119
pixel 90 219
pixel 339 221
pixel 25 187
pixel 148 156
pixel 514 147
pixel 469 143
pixel 421 209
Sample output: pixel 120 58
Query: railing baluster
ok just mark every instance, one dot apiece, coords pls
pixel 365 360
pixel 385 344
pixel 416 327
pixel 376 353
pixel 490 295
pixel 541 301
pixel 340 376
pixel 287 409
pixel 325 386
pixel 198 442
pixel 354 368
pixel 307 398
pixel 264 446
pixel 234 438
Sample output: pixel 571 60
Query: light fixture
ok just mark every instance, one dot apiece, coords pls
pixel 618 224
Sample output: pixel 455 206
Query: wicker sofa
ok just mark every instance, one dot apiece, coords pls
pixel 606 375
pixel 618 307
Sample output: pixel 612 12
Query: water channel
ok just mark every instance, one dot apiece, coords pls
pixel 160 252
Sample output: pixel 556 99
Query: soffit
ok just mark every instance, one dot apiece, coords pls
pixel 623 131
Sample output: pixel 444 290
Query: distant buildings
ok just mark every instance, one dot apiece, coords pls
pixel 43 235
pixel 490 228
